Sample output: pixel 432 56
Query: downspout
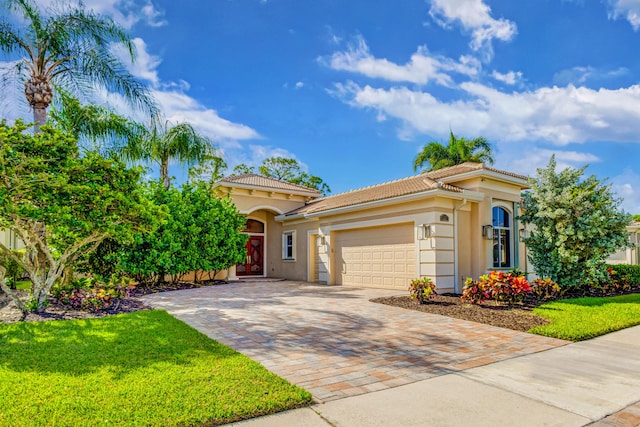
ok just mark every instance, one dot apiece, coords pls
pixel 456 274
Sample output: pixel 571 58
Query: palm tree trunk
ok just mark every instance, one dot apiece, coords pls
pixel 164 173
pixel 39 117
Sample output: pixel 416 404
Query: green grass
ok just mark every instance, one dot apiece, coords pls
pixel 25 285
pixel 583 318
pixel 137 369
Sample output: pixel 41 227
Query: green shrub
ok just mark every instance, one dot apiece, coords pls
pixel 88 293
pixel 422 289
pixel 627 271
pixel 199 232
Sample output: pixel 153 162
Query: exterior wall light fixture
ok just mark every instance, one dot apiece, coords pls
pixel 487 232
pixel 428 230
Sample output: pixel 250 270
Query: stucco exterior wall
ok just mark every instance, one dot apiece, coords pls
pixel 447 230
pixel 300 267
pixel 250 201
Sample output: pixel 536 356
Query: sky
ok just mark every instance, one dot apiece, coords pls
pixel 354 89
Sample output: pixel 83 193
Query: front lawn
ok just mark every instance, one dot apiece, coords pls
pixel 579 319
pixel 24 285
pixel 138 369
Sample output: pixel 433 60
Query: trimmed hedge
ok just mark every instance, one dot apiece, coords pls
pixel 628 271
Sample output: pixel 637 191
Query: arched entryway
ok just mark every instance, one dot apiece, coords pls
pixel 254 263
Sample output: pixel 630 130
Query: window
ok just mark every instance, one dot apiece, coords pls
pixel 289 245
pixel 501 238
pixel 254 226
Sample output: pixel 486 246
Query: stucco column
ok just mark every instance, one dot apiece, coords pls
pixel 231 273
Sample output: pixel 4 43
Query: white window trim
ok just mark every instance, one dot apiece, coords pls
pixel 285 234
pixel 509 210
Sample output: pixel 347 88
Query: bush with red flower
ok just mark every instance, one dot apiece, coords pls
pixel 508 287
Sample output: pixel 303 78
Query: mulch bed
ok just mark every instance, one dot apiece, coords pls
pixel 9 313
pixel 519 318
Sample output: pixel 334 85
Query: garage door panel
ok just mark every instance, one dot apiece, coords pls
pixel 382 257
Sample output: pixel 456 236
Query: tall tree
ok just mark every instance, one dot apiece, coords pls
pixel 72 48
pixel 286 169
pixel 160 144
pixel 576 222
pixel 459 150
pixel 243 169
pixel 103 129
pixel 210 170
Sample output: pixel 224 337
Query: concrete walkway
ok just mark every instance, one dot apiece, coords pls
pixel 444 372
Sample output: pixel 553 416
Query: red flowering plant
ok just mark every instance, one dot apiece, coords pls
pixel 422 289
pixel 500 286
pixel 615 284
pixel 546 289
pixel 475 291
pixel 508 287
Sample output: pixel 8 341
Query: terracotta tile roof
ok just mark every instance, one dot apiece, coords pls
pixel 470 167
pixel 255 180
pixel 401 187
pixel 387 190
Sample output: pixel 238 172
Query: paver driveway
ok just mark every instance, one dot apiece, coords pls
pixel 333 341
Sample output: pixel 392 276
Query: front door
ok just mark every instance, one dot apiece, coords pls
pixel 254 265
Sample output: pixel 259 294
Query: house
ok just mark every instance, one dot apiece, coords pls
pixel 628 255
pixel 10 239
pixel 447 225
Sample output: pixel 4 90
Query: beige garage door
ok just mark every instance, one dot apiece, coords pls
pixel 378 257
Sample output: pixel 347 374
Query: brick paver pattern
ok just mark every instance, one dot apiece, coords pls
pixel 334 342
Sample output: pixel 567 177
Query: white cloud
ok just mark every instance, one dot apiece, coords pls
pixel 474 16
pixel 177 106
pixel 180 107
pixel 299 85
pixel 124 12
pixel 626 187
pixel 626 9
pixel 145 64
pixel 421 68
pixel 510 78
pixel 560 115
pixel 580 75
pixel 526 159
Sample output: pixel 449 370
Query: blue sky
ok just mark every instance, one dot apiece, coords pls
pixel 353 89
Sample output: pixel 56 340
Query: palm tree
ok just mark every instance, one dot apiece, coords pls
pixel 458 151
pixel 107 131
pixel 71 48
pixel 162 144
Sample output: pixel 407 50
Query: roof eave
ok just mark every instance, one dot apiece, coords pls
pixel 310 193
pixel 469 195
pixel 523 183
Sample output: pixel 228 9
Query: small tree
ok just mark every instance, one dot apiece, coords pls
pixel 577 225
pixel 61 205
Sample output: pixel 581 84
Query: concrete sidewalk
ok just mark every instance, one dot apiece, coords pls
pixel 592 382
